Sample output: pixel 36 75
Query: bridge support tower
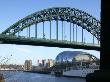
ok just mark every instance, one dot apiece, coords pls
pixel 103 75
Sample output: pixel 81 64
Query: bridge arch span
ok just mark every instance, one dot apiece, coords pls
pixel 76 16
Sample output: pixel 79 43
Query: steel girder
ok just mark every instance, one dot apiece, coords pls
pixel 76 16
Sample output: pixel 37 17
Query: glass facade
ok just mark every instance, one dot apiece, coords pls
pixel 76 56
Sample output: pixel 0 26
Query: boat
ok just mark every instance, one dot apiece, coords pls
pixel 78 72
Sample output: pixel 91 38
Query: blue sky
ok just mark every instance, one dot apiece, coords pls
pixel 13 10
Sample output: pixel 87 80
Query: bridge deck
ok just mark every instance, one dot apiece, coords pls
pixel 6 39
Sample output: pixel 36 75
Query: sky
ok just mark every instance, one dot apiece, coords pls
pixel 13 10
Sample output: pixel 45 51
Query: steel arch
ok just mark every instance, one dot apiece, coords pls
pixel 76 16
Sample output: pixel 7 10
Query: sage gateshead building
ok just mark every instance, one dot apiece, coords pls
pixel 77 57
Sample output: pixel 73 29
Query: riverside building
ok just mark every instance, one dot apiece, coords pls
pixel 28 65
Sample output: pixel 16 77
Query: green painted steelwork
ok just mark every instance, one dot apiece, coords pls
pixel 47 42
pixel 72 15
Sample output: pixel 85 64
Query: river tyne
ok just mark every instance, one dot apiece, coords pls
pixel 35 77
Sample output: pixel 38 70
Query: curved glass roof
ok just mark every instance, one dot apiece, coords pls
pixel 69 55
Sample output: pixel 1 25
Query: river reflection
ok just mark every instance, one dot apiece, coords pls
pixel 34 77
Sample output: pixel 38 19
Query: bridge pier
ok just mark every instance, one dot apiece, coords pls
pixel 104 73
